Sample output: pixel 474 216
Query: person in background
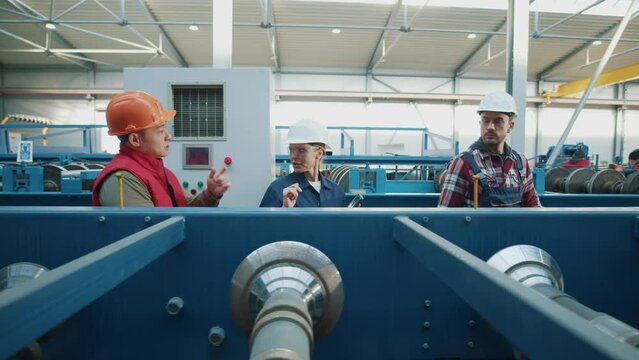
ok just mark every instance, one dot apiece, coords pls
pixel 305 186
pixel 139 121
pixel 633 163
pixel 504 177
pixel 633 160
pixel 577 160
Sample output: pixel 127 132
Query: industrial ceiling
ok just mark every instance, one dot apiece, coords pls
pixel 358 37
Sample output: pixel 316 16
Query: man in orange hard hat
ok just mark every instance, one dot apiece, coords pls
pixel 139 121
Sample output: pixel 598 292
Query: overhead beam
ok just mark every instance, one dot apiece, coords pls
pixel 406 27
pixel 536 34
pixel 30 12
pixel 623 74
pixel 152 17
pixel 459 71
pixel 543 74
pixel 378 47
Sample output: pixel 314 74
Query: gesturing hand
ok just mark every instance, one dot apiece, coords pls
pixel 217 184
pixel 290 194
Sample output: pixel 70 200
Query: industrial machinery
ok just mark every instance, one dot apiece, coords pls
pixel 73 177
pixel 570 155
pixel 285 295
pixel 389 172
pixel 384 284
pixel 587 181
pixel 536 269
pixel 376 180
pixel 22 178
pixel 223 120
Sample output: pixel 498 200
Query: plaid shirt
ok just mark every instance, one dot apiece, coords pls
pixel 500 172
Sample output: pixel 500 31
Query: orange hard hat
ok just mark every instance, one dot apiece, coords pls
pixel 133 111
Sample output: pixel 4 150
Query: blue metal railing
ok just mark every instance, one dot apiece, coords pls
pixel 30 310
pixel 537 326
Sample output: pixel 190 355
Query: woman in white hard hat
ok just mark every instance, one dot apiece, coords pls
pixel 502 176
pixel 305 186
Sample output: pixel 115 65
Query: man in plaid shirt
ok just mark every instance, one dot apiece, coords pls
pixel 505 179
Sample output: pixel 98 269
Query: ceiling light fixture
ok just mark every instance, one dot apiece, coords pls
pixel 50 26
pixel 596 42
pixel 336 31
pixel 471 36
pixel 194 28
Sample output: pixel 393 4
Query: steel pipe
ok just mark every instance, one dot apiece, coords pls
pixel 536 269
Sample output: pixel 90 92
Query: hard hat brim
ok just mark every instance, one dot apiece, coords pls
pixel 305 141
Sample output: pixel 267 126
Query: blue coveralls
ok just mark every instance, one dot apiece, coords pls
pixel 497 196
pixel 331 194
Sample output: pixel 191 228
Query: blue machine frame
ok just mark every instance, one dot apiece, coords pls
pixel 370 200
pixel 395 307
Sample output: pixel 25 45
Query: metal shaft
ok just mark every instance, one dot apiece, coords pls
pixel 604 322
pixel 283 328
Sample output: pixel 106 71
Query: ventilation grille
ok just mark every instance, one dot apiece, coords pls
pixel 199 111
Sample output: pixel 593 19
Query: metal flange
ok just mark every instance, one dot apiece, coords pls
pixel 631 184
pixel 287 265
pixel 18 273
pixel 555 178
pixel 607 181
pixel 577 181
pixel 529 265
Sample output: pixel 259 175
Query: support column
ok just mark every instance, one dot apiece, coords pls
pixel 222 34
pixel 517 66
pixel 620 119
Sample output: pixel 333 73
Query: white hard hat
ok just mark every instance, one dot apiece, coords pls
pixel 307 132
pixel 498 101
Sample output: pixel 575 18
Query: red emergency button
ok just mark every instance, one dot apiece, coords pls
pixel 228 160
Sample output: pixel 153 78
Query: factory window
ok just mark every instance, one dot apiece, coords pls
pixel 199 111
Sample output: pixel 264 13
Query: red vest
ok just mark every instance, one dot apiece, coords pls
pixel 149 170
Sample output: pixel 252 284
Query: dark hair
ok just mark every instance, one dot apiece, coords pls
pixel 634 155
pixel 123 139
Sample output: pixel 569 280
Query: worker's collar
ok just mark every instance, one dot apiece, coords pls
pixel 147 161
pixel 301 179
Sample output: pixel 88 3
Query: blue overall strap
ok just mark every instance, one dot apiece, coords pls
pixel 520 167
pixel 470 159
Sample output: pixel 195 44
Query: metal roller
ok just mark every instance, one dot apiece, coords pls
pixel 52 177
pixel 439 180
pixel 94 166
pixel 12 276
pixel 535 268
pixel 340 176
pixel 334 171
pixel 577 181
pixel 284 295
pixel 555 178
pixel 75 166
pixel 606 182
pixel 18 273
pixel 631 184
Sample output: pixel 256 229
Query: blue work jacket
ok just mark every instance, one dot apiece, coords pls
pixel 331 194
